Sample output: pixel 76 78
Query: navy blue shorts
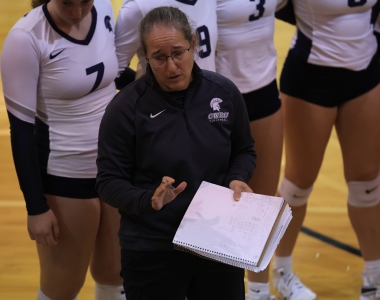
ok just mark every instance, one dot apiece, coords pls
pixel 80 188
pixel 326 86
pixel 174 275
pixel 262 102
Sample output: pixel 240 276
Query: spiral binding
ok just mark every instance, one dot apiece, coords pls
pixel 216 256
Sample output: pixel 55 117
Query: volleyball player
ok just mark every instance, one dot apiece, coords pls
pixel 247 56
pixel 201 12
pixel 58 68
pixel 331 79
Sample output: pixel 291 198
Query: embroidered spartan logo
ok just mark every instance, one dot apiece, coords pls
pixel 215 104
pixel 107 22
pixel 219 115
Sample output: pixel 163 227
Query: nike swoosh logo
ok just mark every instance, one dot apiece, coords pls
pixel 255 291
pixel 153 116
pixel 56 54
pixel 371 190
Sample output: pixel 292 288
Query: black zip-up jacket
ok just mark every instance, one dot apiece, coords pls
pixel 145 135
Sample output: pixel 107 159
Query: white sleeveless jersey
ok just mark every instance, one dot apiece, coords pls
pixel 202 14
pixel 66 83
pixel 337 33
pixel 245 51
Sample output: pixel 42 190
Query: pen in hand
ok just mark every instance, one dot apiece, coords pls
pixel 171 186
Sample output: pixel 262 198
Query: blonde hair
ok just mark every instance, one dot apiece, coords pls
pixel 36 3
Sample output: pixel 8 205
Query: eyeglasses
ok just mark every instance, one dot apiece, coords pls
pixel 160 61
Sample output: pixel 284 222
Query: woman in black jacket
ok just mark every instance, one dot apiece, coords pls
pixel 177 124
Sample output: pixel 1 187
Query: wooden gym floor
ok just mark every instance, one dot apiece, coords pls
pixel 326 256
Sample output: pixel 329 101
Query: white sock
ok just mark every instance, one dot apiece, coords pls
pixel 372 271
pixel 109 292
pixel 42 296
pixel 257 289
pixel 284 262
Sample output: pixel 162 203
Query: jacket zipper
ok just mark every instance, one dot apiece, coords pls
pixel 185 117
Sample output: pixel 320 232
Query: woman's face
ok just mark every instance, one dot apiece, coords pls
pixel 166 41
pixel 70 12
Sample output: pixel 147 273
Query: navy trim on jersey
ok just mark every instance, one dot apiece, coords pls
pixel 326 86
pixel 262 102
pixel 90 34
pixel 302 46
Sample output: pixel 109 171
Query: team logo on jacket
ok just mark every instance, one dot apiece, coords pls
pixel 217 115
pixel 107 22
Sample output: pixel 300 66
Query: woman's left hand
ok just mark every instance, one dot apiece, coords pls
pixel 239 186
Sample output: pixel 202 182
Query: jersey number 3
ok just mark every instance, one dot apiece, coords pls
pixel 99 68
pixel 260 8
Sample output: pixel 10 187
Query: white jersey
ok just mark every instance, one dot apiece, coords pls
pixel 202 13
pixel 245 51
pixel 338 33
pixel 66 83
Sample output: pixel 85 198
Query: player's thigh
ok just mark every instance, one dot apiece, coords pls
pixel 307 129
pixel 64 266
pixel 105 261
pixel 358 129
pixel 268 135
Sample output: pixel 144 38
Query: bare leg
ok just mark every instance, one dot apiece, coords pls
pixel 64 267
pixel 268 135
pixel 307 131
pixel 106 261
pixel 358 128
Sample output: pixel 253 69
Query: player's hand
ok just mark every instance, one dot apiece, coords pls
pixel 43 228
pixel 166 193
pixel 238 187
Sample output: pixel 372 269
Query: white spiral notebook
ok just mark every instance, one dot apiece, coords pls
pixel 242 233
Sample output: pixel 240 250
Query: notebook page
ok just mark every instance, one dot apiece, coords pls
pixel 278 233
pixel 216 223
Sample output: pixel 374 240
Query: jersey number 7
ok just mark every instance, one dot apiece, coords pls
pixel 99 68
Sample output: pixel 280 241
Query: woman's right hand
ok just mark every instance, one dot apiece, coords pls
pixel 165 193
pixel 43 228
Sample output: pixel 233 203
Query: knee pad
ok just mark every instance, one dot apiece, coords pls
pixel 292 194
pixel 364 193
